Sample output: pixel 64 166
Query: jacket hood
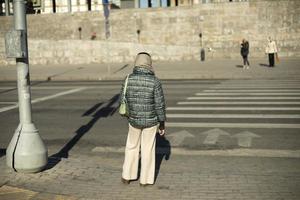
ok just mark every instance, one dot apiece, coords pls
pixel 142 70
pixel 143 60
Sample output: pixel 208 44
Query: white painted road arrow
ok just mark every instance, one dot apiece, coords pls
pixel 177 138
pixel 213 135
pixel 245 138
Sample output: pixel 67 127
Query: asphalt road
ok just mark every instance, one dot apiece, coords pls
pixel 202 115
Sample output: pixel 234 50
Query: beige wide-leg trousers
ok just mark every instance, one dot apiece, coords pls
pixel 144 138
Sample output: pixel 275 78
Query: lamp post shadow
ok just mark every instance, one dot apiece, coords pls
pixel 100 110
pixel 2 152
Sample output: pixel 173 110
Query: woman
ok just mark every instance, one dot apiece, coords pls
pixel 245 52
pixel 146 107
pixel 271 50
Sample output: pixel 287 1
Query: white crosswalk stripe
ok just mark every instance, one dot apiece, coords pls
pixel 238 103
pixel 258 103
pixel 253 90
pixel 252 98
pixel 246 116
pixel 233 108
pixel 247 94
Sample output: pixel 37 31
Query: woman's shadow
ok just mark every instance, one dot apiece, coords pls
pixel 2 152
pixel 163 151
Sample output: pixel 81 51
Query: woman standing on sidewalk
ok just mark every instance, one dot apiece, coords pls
pixel 146 106
pixel 245 52
pixel 271 50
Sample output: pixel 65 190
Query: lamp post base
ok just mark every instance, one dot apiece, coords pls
pixel 26 152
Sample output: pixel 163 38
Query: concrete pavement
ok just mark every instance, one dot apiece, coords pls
pixel 97 176
pixel 213 69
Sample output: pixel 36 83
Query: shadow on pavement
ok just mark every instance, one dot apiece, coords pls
pixel 163 151
pixel 49 78
pixel 99 112
pixel 2 152
pixel 263 65
pixel 121 68
pixel 239 66
pixel 32 84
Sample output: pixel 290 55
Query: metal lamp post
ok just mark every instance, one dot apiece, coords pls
pixel 6 7
pixel 26 151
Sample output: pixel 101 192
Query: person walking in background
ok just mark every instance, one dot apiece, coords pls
pixel 271 50
pixel 146 108
pixel 245 52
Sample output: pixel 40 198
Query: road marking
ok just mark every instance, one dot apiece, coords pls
pixel 255 87
pixel 231 125
pixel 233 152
pixel 44 98
pixel 54 88
pixel 213 135
pixel 230 98
pixel 251 90
pixel 64 87
pixel 40 88
pixel 7 88
pixel 247 94
pixel 239 103
pixel 256 84
pixel 245 138
pixel 177 138
pixel 57 95
pixel 8 103
pixel 8 108
pixel 259 83
pixel 233 108
pixel 264 116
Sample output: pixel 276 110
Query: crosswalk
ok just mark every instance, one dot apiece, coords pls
pixel 240 104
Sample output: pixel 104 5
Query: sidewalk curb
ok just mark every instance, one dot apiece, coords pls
pixel 185 70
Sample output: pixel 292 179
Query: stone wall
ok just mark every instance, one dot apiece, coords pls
pixel 167 33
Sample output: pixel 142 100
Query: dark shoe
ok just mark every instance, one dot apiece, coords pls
pixel 126 182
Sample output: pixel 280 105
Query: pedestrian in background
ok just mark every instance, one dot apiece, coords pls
pixel 146 108
pixel 245 52
pixel 271 50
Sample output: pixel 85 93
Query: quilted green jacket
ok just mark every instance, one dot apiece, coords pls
pixel 145 99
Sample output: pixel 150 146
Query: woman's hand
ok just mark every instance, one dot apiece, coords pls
pixel 161 132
